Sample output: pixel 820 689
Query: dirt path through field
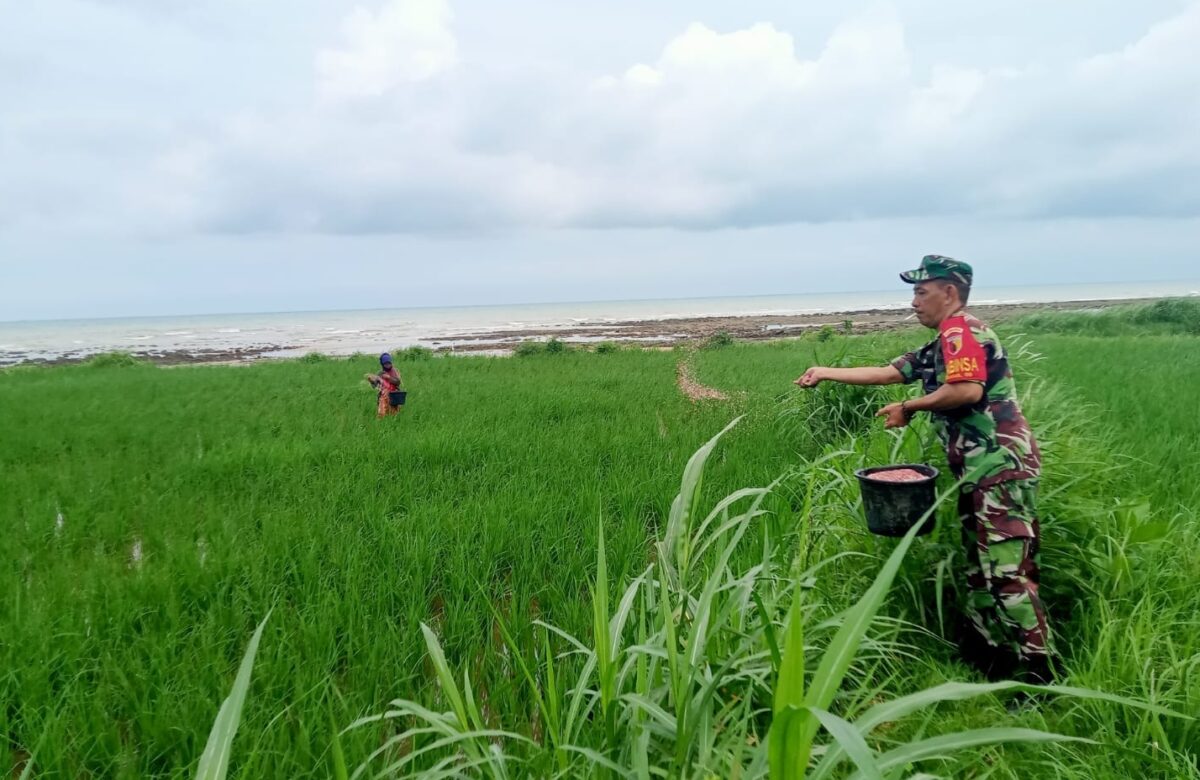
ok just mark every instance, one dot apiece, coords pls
pixel 690 387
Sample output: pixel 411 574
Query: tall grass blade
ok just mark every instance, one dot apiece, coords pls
pixel 214 761
pixel 546 704
pixel 445 677
pixel 27 771
pixel 605 667
pixel 673 551
pixel 957 691
pixel 889 711
pixel 641 755
pixel 798 726
pixel 945 744
pixel 598 760
pixel 337 756
pixel 553 709
pixel 463 743
pixel 768 632
pixel 789 689
pixel 851 741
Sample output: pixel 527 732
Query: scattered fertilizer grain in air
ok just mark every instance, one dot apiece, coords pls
pixel 898 475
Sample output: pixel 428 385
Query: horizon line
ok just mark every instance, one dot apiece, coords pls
pixel 549 302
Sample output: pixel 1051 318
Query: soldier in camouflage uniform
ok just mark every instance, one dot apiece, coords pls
pixel 970 393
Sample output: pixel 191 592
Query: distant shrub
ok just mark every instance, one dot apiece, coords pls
pixel 314 357
pixel 825 333
pixel 1169 315
pixel 24 368
pixel 847 326
pixel 1183 314
pixel 114 360
pixel 554 346
pixel 718 340
pixel 527 348
pixel 412 354
pixel 607 347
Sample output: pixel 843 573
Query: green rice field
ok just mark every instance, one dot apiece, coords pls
pixel 501 581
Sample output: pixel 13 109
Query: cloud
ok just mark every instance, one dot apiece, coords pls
pixel 855 132
pixel 404 41
pixel 718 128
pixel 691 140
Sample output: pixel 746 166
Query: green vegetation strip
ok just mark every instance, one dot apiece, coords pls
pixel 154 516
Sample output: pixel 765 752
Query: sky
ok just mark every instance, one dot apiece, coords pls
pixel 190 156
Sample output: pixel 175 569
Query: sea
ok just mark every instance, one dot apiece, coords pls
pixel 288 334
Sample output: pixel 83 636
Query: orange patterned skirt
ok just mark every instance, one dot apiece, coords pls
pixel 385 408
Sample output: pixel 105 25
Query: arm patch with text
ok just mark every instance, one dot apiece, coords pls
pixel 965 358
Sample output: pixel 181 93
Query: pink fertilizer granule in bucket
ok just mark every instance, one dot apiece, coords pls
pixel 898 475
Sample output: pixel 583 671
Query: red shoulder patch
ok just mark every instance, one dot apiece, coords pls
pixel 965 358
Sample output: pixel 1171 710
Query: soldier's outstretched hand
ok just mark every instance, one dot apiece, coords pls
pixel 812 377
pixel 894 416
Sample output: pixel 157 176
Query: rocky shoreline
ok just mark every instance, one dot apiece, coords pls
pixel 647 333
pixel 666 333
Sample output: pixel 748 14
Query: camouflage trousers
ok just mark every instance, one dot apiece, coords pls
pixel 1000 536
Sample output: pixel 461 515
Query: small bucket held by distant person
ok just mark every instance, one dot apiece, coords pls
pixel 397 397
pixel 896 497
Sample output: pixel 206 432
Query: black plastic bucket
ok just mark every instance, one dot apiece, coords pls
pixel 894 507
pixel 396 397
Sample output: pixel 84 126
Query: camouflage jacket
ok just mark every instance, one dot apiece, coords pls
pixel 989 442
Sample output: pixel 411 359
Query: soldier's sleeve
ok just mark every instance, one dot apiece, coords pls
pixel 965 358
pixel 907 365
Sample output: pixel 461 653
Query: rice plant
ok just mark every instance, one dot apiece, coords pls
pixel 481 511
pixel 686 676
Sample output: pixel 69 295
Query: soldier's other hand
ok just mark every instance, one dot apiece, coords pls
pixel 894 416
pixel 812 377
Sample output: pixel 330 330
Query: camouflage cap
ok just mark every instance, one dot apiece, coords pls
pixel 939 267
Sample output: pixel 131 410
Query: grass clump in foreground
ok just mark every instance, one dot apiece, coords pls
pixel 683 672
pixel 483 520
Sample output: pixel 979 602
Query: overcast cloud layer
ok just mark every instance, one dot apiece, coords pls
pixel 166 129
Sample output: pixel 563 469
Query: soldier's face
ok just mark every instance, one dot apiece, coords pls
pixel 932 303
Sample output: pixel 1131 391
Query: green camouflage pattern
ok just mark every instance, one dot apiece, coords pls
pixel 990 446
pixel 1000 536
pixel 989 442
pixel 940 267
